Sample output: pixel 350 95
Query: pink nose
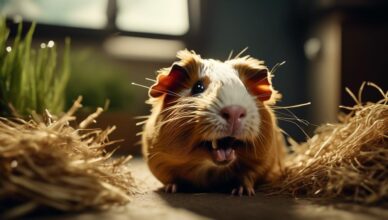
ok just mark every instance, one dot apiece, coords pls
pixel 233 114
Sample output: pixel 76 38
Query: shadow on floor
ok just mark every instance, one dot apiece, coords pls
pixel 224 206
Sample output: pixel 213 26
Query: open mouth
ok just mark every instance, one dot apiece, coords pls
pixel 223 150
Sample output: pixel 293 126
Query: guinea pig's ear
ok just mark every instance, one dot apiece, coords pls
pixel 259 83
pixel 180 76
pixel 168 80
pixel 256 77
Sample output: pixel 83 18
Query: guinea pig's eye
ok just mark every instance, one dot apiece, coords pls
pixel 198 87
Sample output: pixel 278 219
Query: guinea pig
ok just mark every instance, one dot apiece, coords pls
pixel 211 127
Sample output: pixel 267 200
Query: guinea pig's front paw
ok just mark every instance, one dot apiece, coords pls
pixel 243 190
pixel 170 188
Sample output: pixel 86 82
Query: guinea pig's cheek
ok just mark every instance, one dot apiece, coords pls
pixel 251 123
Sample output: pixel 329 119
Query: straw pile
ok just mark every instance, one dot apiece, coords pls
pixel 348 160
pixel 46 163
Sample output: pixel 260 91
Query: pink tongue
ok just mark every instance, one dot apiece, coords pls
pixel 224 154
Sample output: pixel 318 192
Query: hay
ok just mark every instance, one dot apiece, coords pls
pixel 347 160
pixel 47 163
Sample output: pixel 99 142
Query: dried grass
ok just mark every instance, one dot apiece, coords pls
pixel 47 163
pixel 347 160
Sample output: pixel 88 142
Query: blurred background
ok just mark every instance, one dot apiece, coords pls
pixel 326 44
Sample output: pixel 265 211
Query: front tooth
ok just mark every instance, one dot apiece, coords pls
pixel 214 144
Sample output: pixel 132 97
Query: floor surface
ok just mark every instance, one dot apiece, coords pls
pixel 157 205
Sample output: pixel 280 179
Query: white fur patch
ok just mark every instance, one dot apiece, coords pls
pixel 230 91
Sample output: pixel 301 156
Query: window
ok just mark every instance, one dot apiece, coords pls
pixel 168 17
pixel 73 13
pixel 150 16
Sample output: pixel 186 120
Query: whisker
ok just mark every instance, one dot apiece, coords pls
pixel 152 80
pixel 163 91
pixel 187 122
pixel 274 68
pixel 172 120
pixel 141 117
pixel 293 116
pixel 296 124
pixel 140 85
pixel 243 51
pixel 284 132
pixel 291 106
pixel 174 109
pixel 304 122
pixel 230 55
pixel 141 123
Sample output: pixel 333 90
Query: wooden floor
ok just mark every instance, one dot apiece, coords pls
pixel 156 205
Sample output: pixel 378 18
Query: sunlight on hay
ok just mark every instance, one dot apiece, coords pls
pixel 47 163
pixel 347 160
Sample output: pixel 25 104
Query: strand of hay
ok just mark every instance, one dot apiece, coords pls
pixel 47 163
pixel 347 160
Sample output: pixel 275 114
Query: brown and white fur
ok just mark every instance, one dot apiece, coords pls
pixel 189 142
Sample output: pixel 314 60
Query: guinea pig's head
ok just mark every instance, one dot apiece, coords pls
pixel 211 111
